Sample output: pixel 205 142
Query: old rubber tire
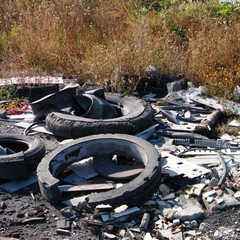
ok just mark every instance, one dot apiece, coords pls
pixel 136 115
pixel 28 153
pixel 134 192
pixel 35 91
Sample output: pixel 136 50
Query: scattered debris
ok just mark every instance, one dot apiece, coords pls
pixel 199 175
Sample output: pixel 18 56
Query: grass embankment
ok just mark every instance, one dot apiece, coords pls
pixel 94 39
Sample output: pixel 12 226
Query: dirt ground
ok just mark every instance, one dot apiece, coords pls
pixel 28 216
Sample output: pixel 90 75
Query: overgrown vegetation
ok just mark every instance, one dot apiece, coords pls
pixel 98 39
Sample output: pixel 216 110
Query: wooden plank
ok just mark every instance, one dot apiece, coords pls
pixel 87 187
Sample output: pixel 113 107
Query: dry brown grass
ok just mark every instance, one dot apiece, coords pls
pixel 99 39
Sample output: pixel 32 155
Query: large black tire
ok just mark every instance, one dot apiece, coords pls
pixel 28 153
pixel 135 192
pixel 136 115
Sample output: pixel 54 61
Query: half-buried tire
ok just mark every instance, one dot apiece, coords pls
pixel 135 115
pixel 19 155
pixel 134 192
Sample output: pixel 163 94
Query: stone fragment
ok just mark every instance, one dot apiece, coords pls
pixel 150 202
pixel 2 205
pixel 168 234
pixel 213 182
pixel 63 224
pixel 209 199
pixel 109 228
pixel 203 227
pixel 237 194
pixel 194 224
pixel 220 201
pixel 229 202
pixel 164 189
pixel 209 193
pixel 163 204
pixel 147 236
pixel 145 221
pixel 159 224
pixel 191 210
pixel 68 212
pixel 132 236
pixel 169 197
pixel 169 213
pixel 122 232
pixel 176 222
pixel 110 235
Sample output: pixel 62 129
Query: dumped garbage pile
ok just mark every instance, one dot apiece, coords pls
pixel 142 168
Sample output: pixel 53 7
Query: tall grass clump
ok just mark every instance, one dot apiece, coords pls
pixel 94 39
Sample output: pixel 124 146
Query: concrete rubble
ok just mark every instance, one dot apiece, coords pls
pixel 191 172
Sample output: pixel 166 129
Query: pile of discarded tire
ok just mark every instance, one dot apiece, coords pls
pixel 102 125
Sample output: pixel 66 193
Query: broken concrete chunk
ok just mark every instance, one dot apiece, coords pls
pixel 147 236
pixel 226 137
pixel 163 204
pixel 197 189
pixel 169 213
pixel 213 182
pixel 209 193
pixel 122 232
pixel 237 194
pixel 63 224
pixel 168 234
pixel 169 197
pixel 145 221
pixel 176 222
pixel 164 189
pixel 191 210
pixel 219 204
